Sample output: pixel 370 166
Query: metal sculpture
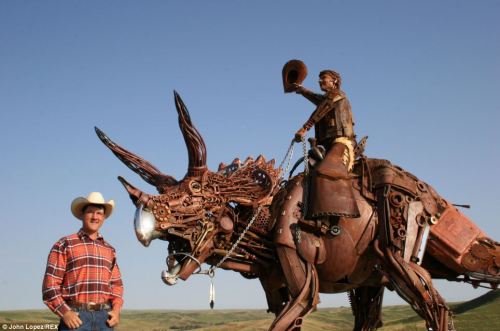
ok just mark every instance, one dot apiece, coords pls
pixel 246 218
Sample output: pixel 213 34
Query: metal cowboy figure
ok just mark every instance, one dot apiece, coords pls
pixel 333 125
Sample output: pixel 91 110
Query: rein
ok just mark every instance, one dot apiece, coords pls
pixel 211 271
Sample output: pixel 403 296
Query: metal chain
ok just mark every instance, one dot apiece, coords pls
pixel 254 217
pixel 288 155
pixel 211 271
pixel 306 155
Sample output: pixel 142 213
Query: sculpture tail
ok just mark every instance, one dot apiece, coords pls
pixel 460 245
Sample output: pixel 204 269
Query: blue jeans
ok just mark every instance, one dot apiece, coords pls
pixel 92 321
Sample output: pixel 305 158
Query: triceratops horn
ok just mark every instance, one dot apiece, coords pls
pixel 197 151
pixel 136 195
pixel 143 168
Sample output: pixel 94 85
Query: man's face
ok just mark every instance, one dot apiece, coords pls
pixel 93 218
pixel 327 83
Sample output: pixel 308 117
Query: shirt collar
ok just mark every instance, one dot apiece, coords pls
pixel 82 234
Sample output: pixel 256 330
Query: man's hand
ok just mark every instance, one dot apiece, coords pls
pixel 72 320
pixel 113 317
pixel 297 88
pixel 299 134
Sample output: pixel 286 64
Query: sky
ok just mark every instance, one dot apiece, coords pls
pixel 421 78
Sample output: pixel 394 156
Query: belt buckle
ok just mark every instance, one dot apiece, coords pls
pixel 91 305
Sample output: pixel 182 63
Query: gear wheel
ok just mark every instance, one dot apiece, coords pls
pixel 471 263
pixel 494 270
pixel 161 212
pixel 480 251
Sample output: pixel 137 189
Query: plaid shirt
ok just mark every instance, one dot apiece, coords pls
pixel 80 269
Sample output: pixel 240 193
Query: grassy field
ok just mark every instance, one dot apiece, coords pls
pixel 481 314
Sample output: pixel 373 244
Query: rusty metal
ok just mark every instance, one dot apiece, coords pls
pixel 334 130
pixel 294 72
pixel 245 218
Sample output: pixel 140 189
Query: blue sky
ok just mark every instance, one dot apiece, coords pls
pixel 421 78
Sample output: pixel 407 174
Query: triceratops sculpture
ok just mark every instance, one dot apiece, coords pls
pixel 245 218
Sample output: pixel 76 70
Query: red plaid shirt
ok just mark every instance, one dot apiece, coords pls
pixel 80 269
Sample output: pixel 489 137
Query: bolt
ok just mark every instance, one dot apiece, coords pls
pixel 335 230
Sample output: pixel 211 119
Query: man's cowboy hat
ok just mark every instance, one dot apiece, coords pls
pixel 94 198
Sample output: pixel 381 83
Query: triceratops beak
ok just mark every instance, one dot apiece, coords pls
pixel 145 226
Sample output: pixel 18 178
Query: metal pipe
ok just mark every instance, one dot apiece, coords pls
pixel 423 244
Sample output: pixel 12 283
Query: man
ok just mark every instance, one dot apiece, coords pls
pixel 82 283
pixel 331 190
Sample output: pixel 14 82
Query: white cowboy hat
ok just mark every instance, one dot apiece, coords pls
pixel 94 198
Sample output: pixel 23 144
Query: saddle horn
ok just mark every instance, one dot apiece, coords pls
pixel 294 72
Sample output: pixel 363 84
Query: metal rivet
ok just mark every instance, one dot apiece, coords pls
pixel 335 230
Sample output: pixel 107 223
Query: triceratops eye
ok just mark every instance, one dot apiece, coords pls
pixel 195 186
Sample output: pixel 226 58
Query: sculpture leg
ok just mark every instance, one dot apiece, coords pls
pixel 275 287
pixel 412 282
pixel 302 282
pixel 366 304
pixel 414 285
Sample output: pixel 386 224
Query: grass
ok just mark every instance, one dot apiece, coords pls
pixel 478 314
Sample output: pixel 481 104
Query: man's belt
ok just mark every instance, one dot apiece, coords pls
pixel 89 306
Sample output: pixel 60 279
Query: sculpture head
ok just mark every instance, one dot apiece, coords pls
pixel 329 80
pixel 194 213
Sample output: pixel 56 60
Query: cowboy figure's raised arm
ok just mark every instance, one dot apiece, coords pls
pixel 315 98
